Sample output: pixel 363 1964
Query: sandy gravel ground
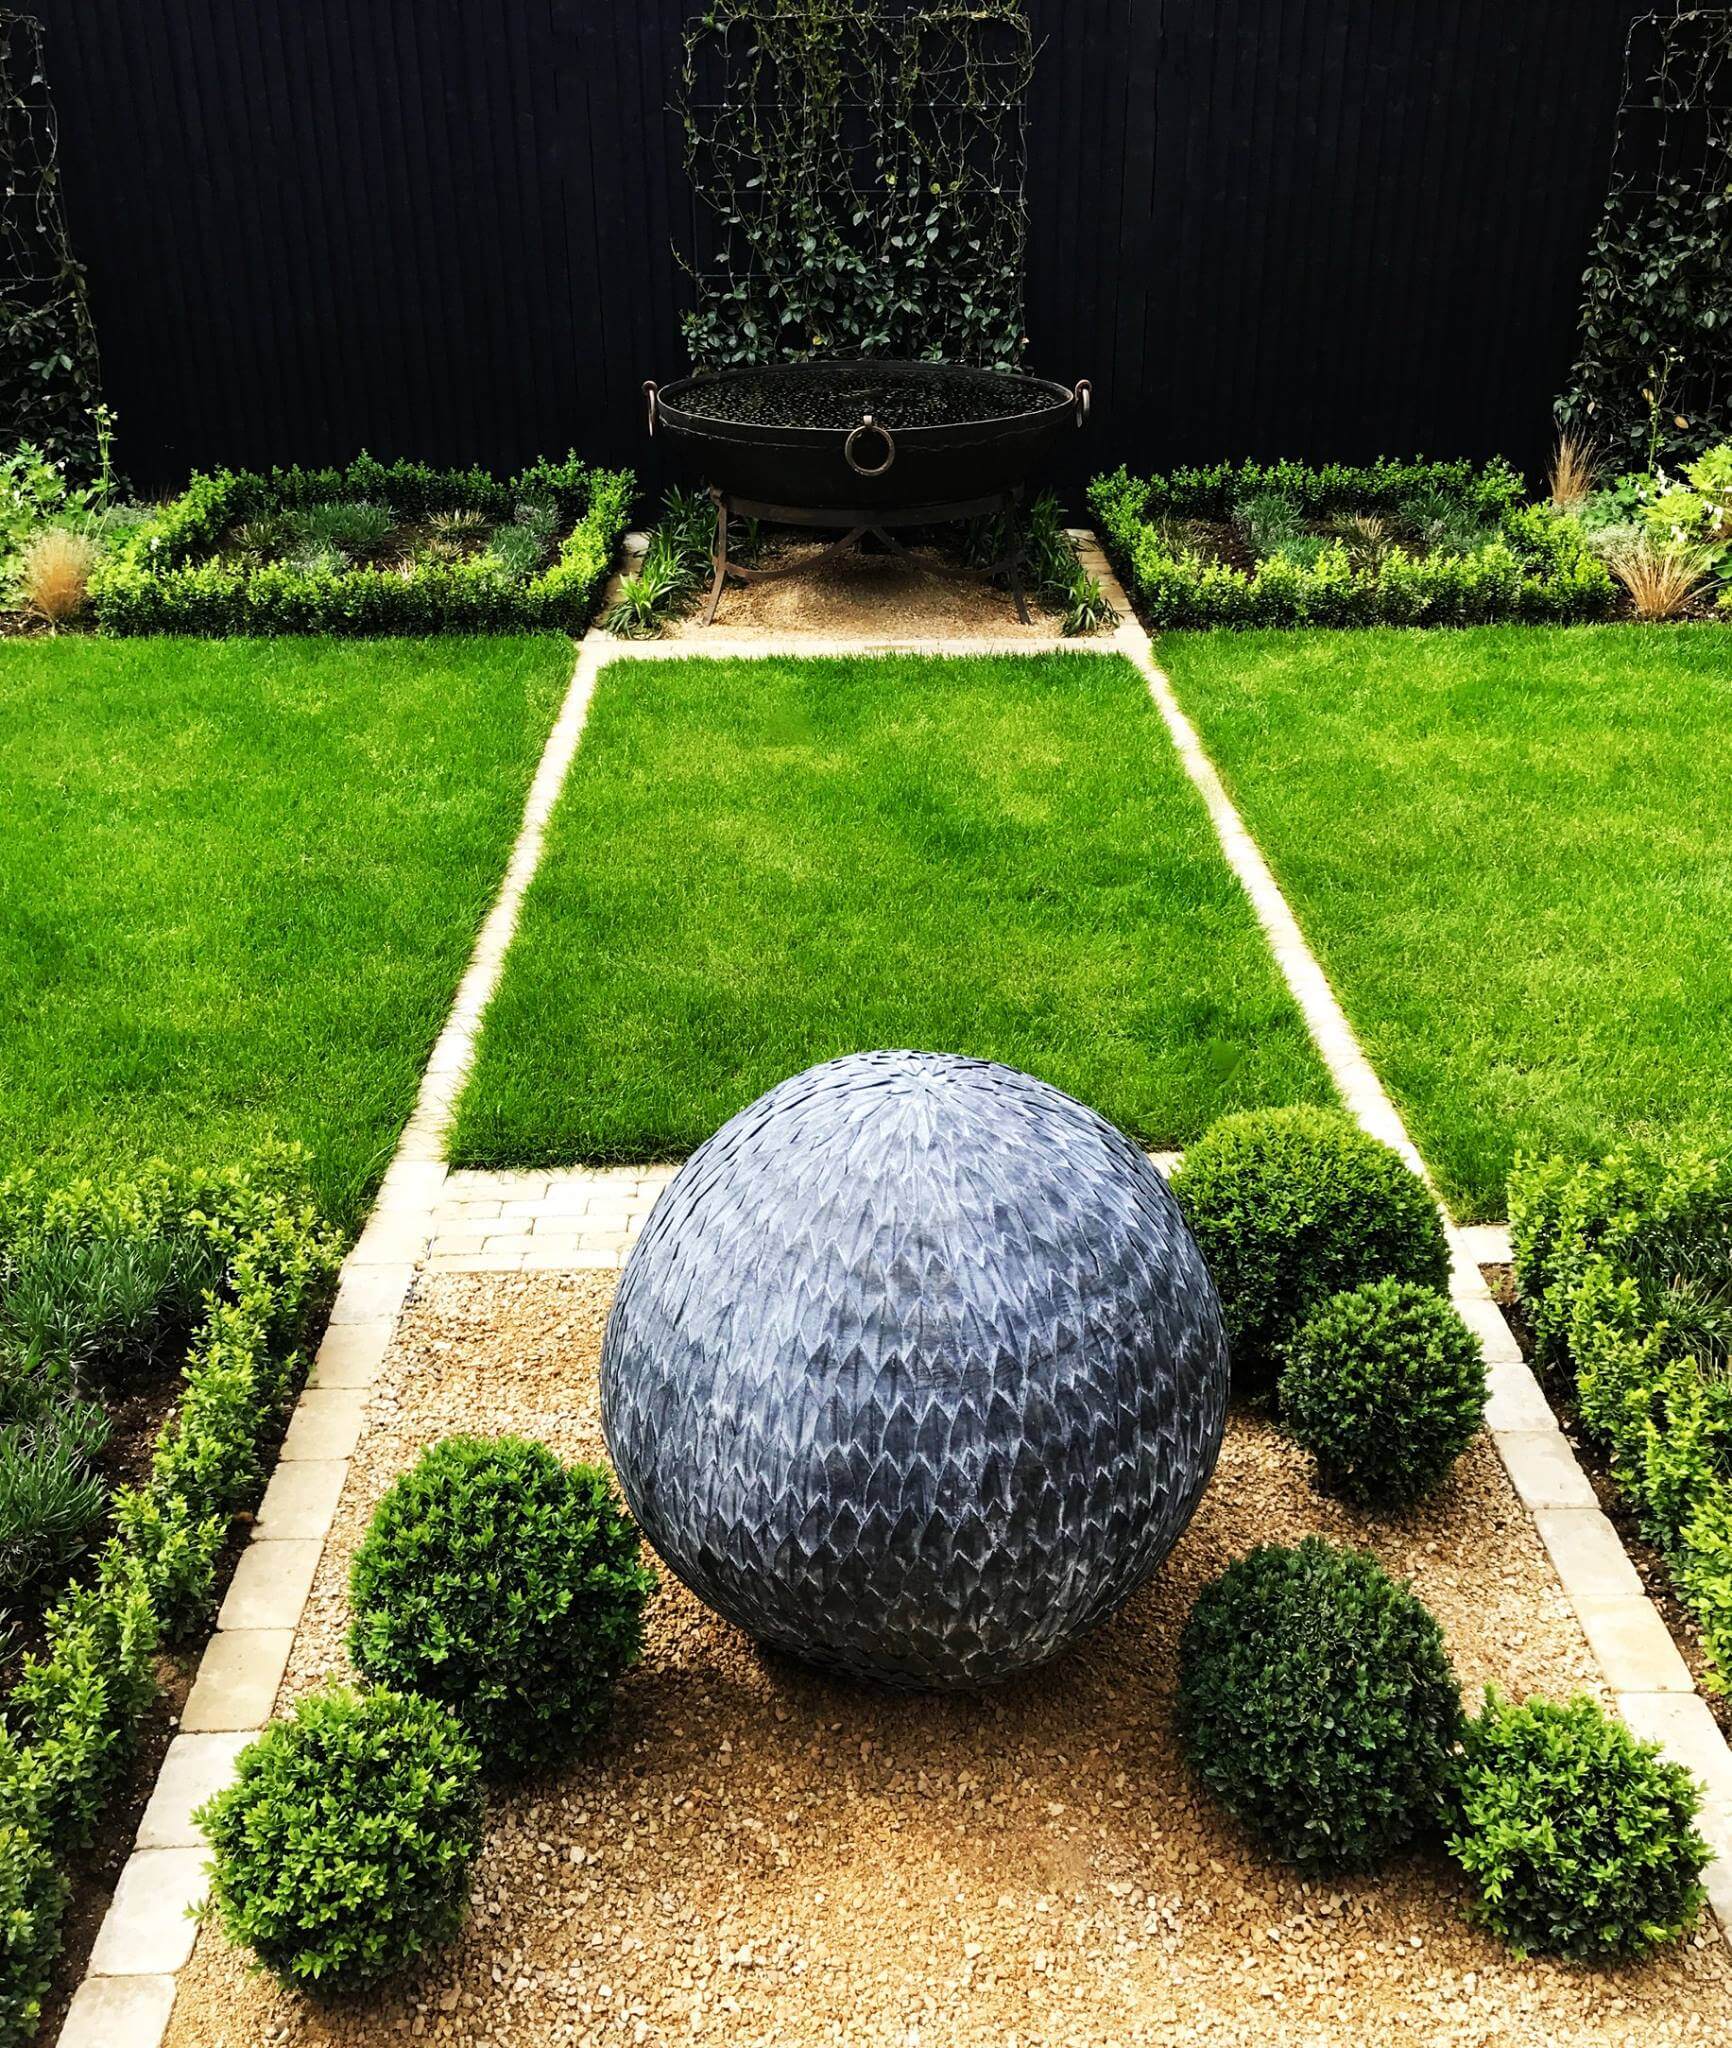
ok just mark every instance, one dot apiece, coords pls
pixel 864 595
pixel 757 1854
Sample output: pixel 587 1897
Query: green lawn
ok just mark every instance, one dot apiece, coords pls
pixel 760 864
pixel 239 882
pixel 1511 848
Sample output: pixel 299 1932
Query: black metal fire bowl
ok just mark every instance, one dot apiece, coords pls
pixel 864 445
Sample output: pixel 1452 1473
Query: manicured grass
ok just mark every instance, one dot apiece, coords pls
pixel 239 882
pixel 756 865
pixel 1512 850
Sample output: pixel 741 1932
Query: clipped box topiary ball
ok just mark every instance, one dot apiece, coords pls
pixel 1385 1386
pixel 1579 1840
pixel 506 1585
pixel 1289 1206
pixel 341 1849
pixel 915 1370
pixel 1317 1703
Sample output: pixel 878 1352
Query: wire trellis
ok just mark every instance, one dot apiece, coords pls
pixel 50 374
pixel 1653 377
pixel 858 179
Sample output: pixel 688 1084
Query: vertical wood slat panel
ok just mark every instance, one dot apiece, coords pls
pixel 441 227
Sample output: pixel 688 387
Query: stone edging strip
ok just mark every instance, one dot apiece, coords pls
pixel 128 1991
pixel 1647 1678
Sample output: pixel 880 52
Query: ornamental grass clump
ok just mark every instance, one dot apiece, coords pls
pixel 1317 1703
pixel 1575 466
pixel 1385 1386
pixel 54 572
pixel 341 1850
pixel 1662 577
pixel 507 1586
pixel 1290 1206
pixel 1578 1839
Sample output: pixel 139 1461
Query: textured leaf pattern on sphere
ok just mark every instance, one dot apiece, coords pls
pixel 915 1371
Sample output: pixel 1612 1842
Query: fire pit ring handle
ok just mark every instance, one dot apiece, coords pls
pixel 651 392
pixel 868 425
pixel 1083 393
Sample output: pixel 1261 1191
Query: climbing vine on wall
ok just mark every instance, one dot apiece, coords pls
pixel 50 378
pixel 858 178
pixel 1653 377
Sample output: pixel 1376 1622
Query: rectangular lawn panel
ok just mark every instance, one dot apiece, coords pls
pixel 239 882
pixel 756 865
pixel 1511 849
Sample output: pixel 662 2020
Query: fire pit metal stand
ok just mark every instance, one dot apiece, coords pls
pixel 877 522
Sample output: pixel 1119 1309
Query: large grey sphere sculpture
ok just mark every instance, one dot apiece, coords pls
pixel 915 1371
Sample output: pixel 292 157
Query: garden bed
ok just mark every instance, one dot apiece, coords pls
pixel 1625 1270
pixel 1649 1561
pixel 758 1854
pixel 374 548
pixel 186 1300
pixel 1392 543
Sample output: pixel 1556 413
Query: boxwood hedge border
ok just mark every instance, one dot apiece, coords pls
pixel 1592 1242
pixel 163 577
pixel 1538 568
pixel 73 1716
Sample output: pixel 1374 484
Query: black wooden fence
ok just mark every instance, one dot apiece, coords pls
pixel 441 228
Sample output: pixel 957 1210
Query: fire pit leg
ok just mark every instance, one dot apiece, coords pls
pixel 1017 554
pixel 719 555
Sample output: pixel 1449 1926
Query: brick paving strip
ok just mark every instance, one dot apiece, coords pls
pixel 588 1217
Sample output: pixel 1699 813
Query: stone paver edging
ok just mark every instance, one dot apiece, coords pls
pixel 588 1217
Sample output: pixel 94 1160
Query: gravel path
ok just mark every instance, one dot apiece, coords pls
pixel 760 1855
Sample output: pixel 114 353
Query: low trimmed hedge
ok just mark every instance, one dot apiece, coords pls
pixel 71 1720
pixel 1626 1265
pixel 162 578
pixel 1538 568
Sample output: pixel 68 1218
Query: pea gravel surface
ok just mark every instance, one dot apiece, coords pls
pixel 757 1854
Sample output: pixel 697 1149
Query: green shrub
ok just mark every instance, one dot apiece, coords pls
pixel 80 1698
pixel 51 1494
pixel 1290 1206
pixel 1385 1386
pixel 506 1585
pixel 1625 1264
pixel 1485 556
pixel 353 526
pixel 341 1851
pixel 1577 1839
pixel 32 1900
pixel 1316 1702
pixel 1660 1208
pixel 1698 511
